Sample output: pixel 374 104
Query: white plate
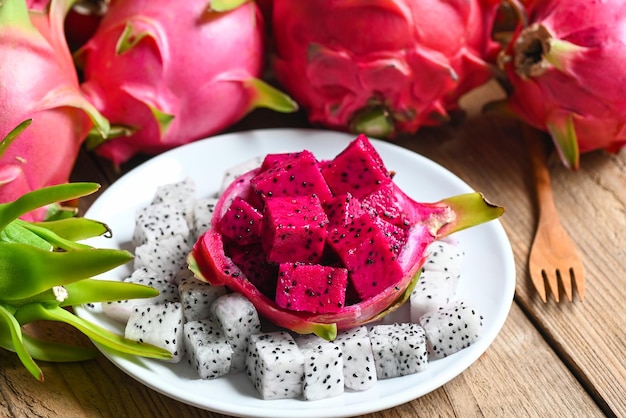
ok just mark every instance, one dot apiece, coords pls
pixel 488 275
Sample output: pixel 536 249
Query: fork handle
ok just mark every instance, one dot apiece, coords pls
pixel 539 161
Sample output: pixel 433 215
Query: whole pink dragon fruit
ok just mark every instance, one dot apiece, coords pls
pixel 39 83
pixel 566 67
pixel 382 67
pixel 167 75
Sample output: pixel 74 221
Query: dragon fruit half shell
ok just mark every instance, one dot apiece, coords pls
pixel 566 70
pixel 213 260
pixel 167 75
pixel 382 67
pixel 39 83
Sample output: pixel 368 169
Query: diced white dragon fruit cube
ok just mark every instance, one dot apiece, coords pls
pixel 433 290
pixel 452 328
pixel 207 348
pixel 445 256
pixel 359 370
pixel 120 310
pixel 239 320
pixel 182 194
pixel 237 170
pixel 323 368
pixel 275 365
pixel 197 297
pixel 167 256
pixel 399 349
pixel 159 221
pixel 203 213
pixel 160 325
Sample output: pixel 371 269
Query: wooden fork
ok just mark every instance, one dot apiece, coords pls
pixel 553 257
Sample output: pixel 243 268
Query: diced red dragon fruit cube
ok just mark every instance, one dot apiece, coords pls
pixel 358 170
pixel 294 229
pixel 241 222
pixel 297 174
pixel 368 253
pixel 311 287
pixel 390 204
pixel 342 209
pixel 252 261
pixel 271 160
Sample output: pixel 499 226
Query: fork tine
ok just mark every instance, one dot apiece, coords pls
pixel 579 279
pixel 566 281
pixel 536 276
pixel 553 283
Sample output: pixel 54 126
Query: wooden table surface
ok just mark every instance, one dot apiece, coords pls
pixel 549 360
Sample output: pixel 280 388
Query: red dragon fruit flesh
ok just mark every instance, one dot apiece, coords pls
pixel 40 85
pixel 565 67
pixel 365 267
pixel 382 67
pixel 167 75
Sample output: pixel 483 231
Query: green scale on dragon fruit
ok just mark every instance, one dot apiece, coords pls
pixel 208 349
pixel 399 349
pixel 275 365
pixel 160 325
pixel 239 320
pixel 323 368
pixel 452 328
pixel 121 310
pixel 383 250
pixel 359 369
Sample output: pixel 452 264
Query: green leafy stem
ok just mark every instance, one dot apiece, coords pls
pixel 44 269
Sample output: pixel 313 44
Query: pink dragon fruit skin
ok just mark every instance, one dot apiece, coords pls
pixel 566 71
pixel 39 82
pixel 382 67
pixel 165 76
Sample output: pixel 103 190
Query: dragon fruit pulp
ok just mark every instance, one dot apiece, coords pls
pixel 382 67
pixel 565 69
pixel 39 83
pixel 381 265
pixel 165 76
